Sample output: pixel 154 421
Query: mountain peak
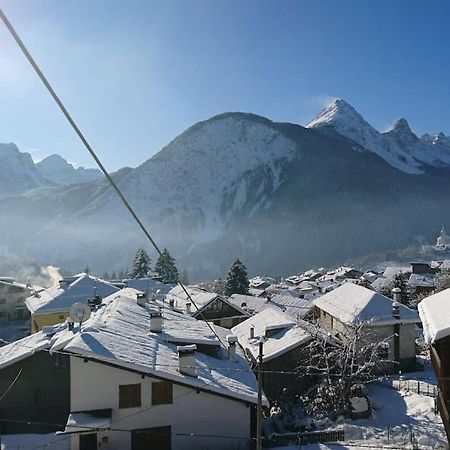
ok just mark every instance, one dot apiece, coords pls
pixel 337 112
pixel 401 125
pixel 402 133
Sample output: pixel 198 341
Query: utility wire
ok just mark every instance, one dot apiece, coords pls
pixel 11 385
pixel 91 151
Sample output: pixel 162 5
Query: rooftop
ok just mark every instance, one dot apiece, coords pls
pixel 118 333
pixel 352 304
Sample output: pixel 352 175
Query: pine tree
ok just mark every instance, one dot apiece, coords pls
pixel 141 264
pixel 237 279
pixel 166 268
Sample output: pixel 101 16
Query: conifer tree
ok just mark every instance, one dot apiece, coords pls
pixel 141 264
pixel 166 268
pixel 237 279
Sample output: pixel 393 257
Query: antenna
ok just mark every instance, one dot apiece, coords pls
pixel 80 312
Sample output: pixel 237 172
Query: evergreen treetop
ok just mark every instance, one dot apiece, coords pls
pixel 166 268
pixel 141 264
pixel 237 279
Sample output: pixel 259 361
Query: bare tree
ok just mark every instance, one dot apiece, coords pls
pixel 343 367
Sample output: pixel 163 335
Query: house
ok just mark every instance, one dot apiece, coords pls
pixel 297 308
pixel 285 349
pixel 435 314
pixel 35 385
pixel 166 380
pixel 143 376
pixel 205 305
pixel 423 268
pixel 422 284
pixel 51 306
pixel 384 320
pixel 12 300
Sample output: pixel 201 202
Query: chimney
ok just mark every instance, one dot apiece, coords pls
pixel 186 360
pixel 70 323
pixel 396 310
pixel 397 294
pixel 155 321
pixel 232 340
pixel 141 298
pixel 252 332
pixel 188 308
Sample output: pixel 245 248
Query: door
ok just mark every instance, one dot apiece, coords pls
pixel 158 438
pixel 88 441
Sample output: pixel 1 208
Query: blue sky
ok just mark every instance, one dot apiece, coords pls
pixel 135 74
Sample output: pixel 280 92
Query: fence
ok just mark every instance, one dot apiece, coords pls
pixel 312 437
pixel 419 387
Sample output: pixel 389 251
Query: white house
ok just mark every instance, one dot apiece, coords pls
pixel 384 320
pixel 144 376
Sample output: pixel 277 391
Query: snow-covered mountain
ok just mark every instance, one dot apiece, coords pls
pixel 17 171
pixel 279 196
pixel 399 146
pixel 57 170
pixel 19 174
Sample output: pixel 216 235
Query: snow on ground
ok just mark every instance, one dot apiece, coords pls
pixel 404 414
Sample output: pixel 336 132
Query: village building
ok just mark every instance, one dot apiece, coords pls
pixel 35 385
pixel 297 308
pixel 143 376
pixel 285 350
pixel 12 300
pixel 422 284
pixel 207 306
pixel 51 306
pixel 351 305
pixel 434 312
pixel 443 240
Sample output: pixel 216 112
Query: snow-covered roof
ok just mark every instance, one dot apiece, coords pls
pixel 68 291
pixel 419 280
pixel 118 333
pixel 199 296
pixel 352 304
pixel 294 306
pixel 435 314
pixel 285 334
pixel 148 285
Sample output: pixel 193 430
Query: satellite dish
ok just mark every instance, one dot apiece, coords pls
pixel 80 312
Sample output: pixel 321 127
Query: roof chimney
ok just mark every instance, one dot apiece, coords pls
pixel 252 332
pixel 188 308
pixel 155 321
pixel 141 298
pixel 397 294
pixel 396 310
pixel 231 339
pixel 186 360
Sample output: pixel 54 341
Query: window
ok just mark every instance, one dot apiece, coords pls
pixel 61 317
pixel 162 393
pixel 2 301
pixel 129 395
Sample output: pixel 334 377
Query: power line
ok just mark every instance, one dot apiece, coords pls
pixel 91 150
